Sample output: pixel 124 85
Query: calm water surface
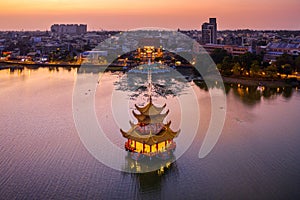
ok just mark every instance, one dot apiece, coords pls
pixel 42 157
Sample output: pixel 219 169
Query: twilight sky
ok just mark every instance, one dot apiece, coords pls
pixel 128 14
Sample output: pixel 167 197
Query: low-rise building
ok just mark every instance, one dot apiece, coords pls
pixel 274 50
pixel 231 49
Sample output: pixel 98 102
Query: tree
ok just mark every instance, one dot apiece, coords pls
pixel 218 55
pixel 246 60
pixel 254 68
pixel 287 69
pixel 237 69
pixel 271 71
pixel 283 60
pixel 227 65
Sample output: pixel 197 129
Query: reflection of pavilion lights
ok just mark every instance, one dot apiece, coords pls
pixel 168 164
pixel 247 89
pixel 239 85
pixel 278 89
pixel 162 169
pixel 241 92
pixel 131 166
pixel 138 168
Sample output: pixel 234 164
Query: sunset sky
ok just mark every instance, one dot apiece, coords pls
pixel 128 14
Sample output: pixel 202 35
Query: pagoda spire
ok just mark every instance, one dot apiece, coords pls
pixel 149 81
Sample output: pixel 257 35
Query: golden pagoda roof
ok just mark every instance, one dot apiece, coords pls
pixel 150 113
pixel 154 128
pixel 164 135
pixel 147 119
pixel 150 128
pixel 150 108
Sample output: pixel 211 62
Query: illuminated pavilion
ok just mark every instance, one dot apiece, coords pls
pixel 150 136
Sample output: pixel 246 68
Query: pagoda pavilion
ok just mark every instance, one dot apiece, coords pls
pixel 150 136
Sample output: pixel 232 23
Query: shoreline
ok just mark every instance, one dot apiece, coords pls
pixel 257 82
pixel 226 79
pixel 39 64
pixel 21 65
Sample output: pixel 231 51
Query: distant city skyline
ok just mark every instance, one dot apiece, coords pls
pixel 173 14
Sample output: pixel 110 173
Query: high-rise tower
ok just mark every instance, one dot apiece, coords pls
pixel 209 31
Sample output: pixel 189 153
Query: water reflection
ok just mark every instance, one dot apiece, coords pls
pixel 43 156
pixel 26 71
pixel 150 184
pixel 251 95
pixel 148 164
pixel 168 84
pixel 153 181
pixel 59 68
pixel 166 81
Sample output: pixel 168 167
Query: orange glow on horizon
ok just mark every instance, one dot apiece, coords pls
pixel 127 14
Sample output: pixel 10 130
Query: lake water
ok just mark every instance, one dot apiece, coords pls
pixel 42 157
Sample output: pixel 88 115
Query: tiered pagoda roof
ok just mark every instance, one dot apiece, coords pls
pixel 150 128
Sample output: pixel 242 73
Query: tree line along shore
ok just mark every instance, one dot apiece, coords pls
pixel 247 69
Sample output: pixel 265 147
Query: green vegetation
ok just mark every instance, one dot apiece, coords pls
pixel 62 55
pixel 253 66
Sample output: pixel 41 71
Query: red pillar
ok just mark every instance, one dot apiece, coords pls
pixel 150 148
pixel 143 147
